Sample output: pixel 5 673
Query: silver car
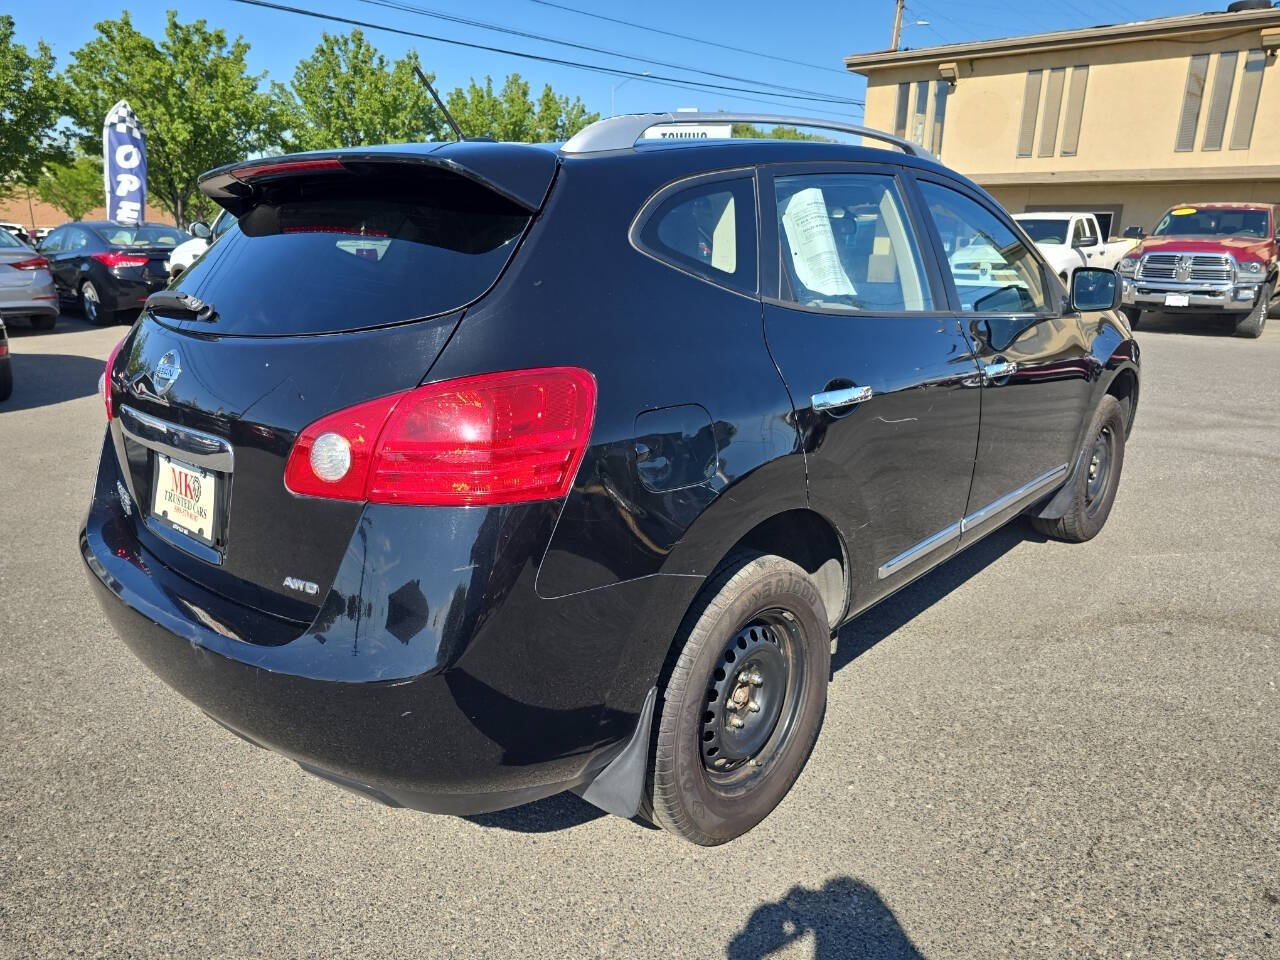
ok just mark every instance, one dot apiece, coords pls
pixel 26 285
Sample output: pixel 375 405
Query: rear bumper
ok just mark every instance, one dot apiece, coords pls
pixel 498 699
pixel 1201 297
pixel 123 293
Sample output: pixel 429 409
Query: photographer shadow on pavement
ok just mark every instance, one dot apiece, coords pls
pixel 846 917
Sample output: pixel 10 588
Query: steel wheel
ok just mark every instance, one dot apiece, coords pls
pixel 1100 459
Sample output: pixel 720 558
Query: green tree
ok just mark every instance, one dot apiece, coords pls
pixel 75 188
pixel 509 114
pixel 31 95
pixel 751 131
pixel 347 95
pixel 196 100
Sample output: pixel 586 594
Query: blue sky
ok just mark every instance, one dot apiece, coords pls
pixel 817 33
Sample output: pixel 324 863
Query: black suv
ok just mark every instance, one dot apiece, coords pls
pixel 464 474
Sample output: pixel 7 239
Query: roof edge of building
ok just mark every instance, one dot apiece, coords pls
pixel 1244 20
pixel 1268 171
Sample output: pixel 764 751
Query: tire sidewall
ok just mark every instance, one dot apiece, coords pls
pixel 763 584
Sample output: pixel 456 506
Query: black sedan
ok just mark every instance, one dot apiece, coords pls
pixel 109 268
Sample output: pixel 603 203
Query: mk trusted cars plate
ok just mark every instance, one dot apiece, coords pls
pixel 185 496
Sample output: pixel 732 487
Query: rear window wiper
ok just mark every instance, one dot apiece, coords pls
pixel 174 301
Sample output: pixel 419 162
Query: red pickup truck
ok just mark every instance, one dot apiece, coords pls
pixel 1206 258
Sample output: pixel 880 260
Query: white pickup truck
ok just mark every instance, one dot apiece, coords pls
pixel 1072 240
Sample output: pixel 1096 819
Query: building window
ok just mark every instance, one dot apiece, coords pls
pixel 900 113
pixel 1224 79
pixel 1052 110
pixel 1247 108
pixel 1075 111
pixel 941 90
pixel 921 110
pixel 1192 96
pixel 1030 109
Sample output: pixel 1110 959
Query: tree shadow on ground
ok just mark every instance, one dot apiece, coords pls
pixel 846 917
pixel 43 379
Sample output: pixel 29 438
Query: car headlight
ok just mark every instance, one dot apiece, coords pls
pixel 1127 267
pixel 1250 268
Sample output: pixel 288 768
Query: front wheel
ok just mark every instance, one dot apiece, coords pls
pixel 1251 324
pixel 742 706
pixel 1096 480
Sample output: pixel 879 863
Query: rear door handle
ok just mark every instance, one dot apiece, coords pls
pixel 994 371
pixel 838 399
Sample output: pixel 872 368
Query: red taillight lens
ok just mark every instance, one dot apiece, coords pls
pixel 507 437
pixel 275 168
pixel 33 263
pixel 104 381
pixel 114 259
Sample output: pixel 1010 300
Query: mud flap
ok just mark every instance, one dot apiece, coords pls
pixel 618 787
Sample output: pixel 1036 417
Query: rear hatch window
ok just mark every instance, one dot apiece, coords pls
pixel 353 251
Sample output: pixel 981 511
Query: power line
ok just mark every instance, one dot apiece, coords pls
pixel 681 82
pixel 685 36
pixel 530 35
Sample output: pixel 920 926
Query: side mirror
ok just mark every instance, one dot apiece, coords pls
pixel 200 230
pixel 1134 233
pixel 1093 289
pixel 1086 242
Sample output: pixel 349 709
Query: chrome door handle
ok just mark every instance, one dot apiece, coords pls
pixel 844 397
pixel 994 371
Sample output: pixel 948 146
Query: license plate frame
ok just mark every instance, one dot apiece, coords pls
pixel 1177 300
pixel 175 509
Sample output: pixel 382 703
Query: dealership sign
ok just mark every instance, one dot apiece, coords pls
pixel 124 164
pixel 690 131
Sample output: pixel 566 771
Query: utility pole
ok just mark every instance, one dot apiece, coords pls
pixel 897 25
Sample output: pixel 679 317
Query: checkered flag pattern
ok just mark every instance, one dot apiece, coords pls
pixel 125 120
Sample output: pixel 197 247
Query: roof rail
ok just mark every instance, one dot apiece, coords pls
pixel 622 132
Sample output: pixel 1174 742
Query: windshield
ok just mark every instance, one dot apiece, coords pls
pixel 144 236
pixel 1192 222
pixel 1045 231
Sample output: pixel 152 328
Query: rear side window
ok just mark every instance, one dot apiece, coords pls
pixel 709 230
pixel 356 251
pixel 847 244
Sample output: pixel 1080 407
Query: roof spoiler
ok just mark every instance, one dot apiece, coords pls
pixel 519 173
pixel 622 132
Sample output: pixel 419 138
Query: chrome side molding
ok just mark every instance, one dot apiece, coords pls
pixel 1021 495
pixel 182 443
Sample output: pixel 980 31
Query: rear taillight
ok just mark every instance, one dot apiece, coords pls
pixel 32 263
pixel 496 438
pixel 104 381
pixel 276 168
pixel 114 258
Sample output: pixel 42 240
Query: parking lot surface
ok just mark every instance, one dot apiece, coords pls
pixel 1038 750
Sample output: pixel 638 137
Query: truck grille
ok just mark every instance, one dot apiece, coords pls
pixel 1200 268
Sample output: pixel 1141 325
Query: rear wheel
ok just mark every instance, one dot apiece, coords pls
pixel 1132 315
pixel 91 306
pixel 743 702
pixel 1096 479
pixel 1251 324
pixel 43 323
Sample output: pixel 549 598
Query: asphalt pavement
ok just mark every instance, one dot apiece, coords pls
pixel 1040 750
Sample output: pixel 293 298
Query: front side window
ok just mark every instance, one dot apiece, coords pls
pixel 846 244
pixel 994 271
pixel 708 229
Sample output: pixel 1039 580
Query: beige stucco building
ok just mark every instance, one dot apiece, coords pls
pixel 1124 121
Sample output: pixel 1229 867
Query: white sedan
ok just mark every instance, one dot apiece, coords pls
pixel 185 254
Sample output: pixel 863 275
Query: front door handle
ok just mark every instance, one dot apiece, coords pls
pixel 994 371
pixel 838 399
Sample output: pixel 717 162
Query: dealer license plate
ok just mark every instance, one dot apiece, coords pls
pixel 1176 300
pixel 186 497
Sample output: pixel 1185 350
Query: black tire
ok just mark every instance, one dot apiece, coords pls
pixel 1097 479
pixel 1251 324
pixel 6 379
pixel 43 323
pixel 1133 315
pixel 91 306
pixel 755 648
